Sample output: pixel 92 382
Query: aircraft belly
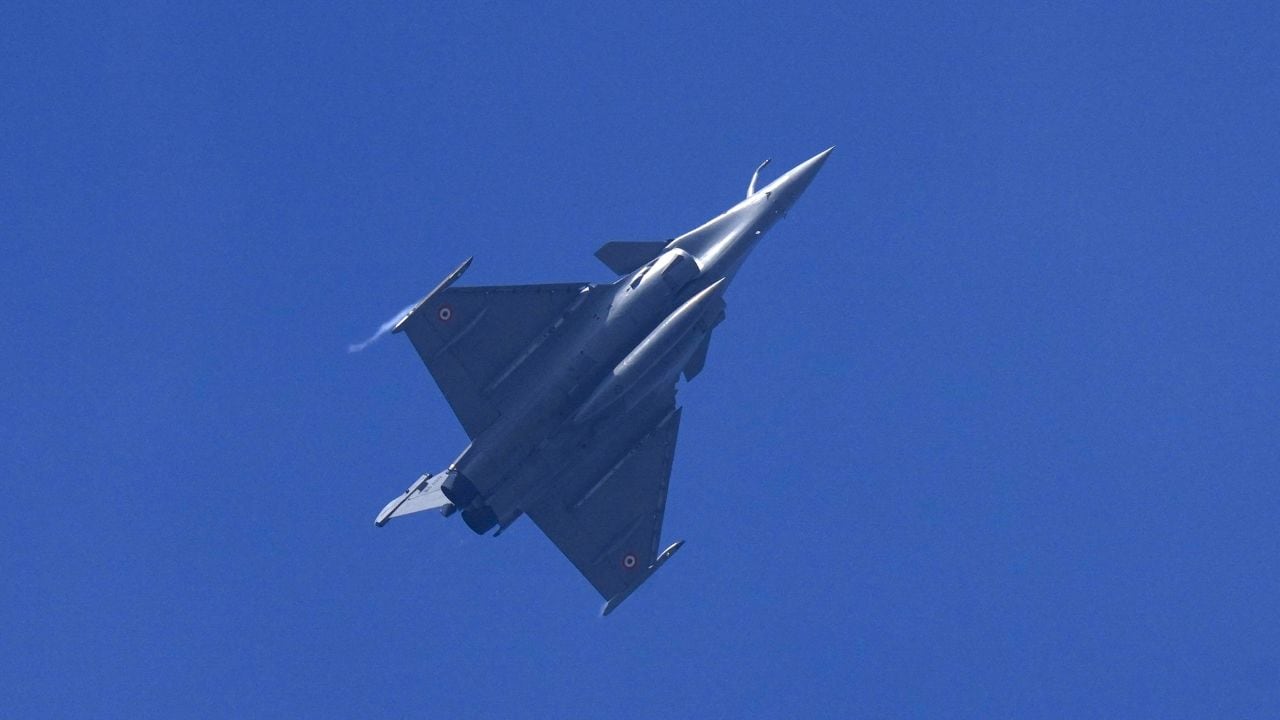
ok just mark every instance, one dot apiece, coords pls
pixel 567 462
pixel 567 390
pixel 504 461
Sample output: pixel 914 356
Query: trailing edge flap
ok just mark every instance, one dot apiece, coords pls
pixel 475 341
pixel 622 256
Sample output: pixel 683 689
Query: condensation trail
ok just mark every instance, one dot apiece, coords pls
pixel 382 330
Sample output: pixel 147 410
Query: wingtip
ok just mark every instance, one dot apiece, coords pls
pixel 663 557
pixel 450 279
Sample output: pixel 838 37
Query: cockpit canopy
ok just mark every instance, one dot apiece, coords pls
pixel 675 268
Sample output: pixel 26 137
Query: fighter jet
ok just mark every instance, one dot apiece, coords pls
pixel 568 391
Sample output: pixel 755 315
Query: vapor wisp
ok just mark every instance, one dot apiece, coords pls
pixel 383 329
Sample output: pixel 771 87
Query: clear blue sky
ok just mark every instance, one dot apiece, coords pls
pixel 992 430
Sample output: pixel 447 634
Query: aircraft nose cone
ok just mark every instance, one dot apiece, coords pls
pixel 794 182
pixel 805 171
pixel 818 159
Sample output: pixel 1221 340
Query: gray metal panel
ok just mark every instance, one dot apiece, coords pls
pixel 699 357
pixel 469 336
pixel 609 523
pixel 698 360
pixel 624 256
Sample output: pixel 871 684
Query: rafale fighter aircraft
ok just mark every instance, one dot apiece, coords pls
pixel 568 391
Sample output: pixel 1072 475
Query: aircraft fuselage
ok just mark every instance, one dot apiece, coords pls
pixel 578 393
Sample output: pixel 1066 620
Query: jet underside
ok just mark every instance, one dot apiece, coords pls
pixel 567 391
